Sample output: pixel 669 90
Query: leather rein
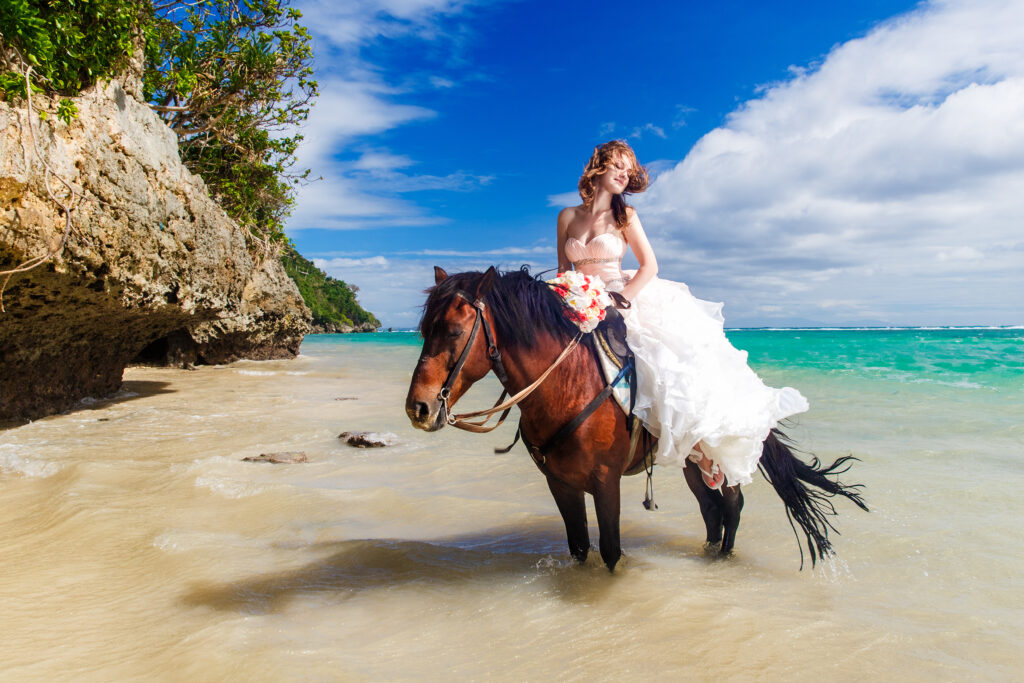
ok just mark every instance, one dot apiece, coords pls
pixel 462 420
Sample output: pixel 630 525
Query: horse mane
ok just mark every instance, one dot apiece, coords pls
pixel 521 305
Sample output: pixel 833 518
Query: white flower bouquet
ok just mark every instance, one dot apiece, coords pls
pixel 585 295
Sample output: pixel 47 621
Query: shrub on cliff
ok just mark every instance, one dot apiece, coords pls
pixel 67 44
pixel 331 301
pixel 233 78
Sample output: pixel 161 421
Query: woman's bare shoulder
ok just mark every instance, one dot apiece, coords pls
pixel 568 214
pixel 632 216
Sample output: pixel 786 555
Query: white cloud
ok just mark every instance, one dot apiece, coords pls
pixel 682 112
pixel 349 109
pixel 381 160
pixel 340 263
pixel 393 286
pixel 875 180
pixel 546 250
pixel 440 83
pixel 564 199
pixel 356 101
pixel 639 131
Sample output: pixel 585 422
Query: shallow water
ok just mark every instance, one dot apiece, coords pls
pixel 137 544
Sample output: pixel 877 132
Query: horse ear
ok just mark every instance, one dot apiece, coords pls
pixel 486 282
pixel 439 275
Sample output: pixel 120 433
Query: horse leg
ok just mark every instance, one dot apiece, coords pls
pixel 732 499
pixel 710 502
pixel 606 501
pixel 574 513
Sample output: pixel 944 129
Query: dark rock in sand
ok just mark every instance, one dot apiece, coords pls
pixel 288 458
pixel 368 439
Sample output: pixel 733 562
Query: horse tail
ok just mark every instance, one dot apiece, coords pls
pixel 806 507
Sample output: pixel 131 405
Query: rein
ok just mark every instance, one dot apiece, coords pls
pixel 461 421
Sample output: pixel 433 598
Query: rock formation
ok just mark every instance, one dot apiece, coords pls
pixel 341 328
pixel 153 268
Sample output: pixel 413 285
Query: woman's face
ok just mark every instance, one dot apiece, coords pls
pixel 616 178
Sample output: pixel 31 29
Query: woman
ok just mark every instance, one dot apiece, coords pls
pixel 696 392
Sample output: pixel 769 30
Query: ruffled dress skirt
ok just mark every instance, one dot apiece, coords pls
pixel 695 387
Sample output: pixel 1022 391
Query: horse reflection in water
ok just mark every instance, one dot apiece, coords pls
pixel 527 334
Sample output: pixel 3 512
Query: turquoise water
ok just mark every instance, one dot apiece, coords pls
pixel 949 390
pixel 968 357
pixel 137 541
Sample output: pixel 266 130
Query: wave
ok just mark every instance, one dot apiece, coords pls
pixel 17 463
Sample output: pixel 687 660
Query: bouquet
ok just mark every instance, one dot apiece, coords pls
pixel 585 297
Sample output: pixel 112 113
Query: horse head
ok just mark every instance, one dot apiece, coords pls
pixel 454 354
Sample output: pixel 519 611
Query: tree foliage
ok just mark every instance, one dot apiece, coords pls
pixel 233 78
pixel 67 43
pixel 330 300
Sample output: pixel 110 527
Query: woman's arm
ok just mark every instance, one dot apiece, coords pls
pixel 644 256
pixel 564 218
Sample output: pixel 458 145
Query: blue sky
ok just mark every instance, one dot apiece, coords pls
pixel 815 163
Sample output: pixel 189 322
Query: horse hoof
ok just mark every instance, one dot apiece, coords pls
pixel 712 549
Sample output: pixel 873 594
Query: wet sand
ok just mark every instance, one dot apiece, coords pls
pixel 138 544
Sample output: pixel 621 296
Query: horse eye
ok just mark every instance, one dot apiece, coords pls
pixel 455 332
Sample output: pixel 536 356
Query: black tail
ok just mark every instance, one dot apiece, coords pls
pixel 808 508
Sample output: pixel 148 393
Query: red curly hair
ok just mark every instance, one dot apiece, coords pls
pixel 600 161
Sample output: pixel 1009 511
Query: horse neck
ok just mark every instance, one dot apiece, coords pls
pixel 573 376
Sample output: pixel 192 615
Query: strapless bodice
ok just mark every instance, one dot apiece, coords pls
pixel 600 255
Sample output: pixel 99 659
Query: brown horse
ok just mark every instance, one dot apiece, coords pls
pixel 525 331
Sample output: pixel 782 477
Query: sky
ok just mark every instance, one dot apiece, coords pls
pixel 857 163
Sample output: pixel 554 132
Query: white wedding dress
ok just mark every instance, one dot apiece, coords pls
pixel 694 387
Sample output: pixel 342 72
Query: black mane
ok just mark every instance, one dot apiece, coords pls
pixel 520 305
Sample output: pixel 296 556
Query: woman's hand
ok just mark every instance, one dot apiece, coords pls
pixel 619 301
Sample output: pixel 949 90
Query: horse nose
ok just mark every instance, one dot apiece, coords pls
pixel 418 411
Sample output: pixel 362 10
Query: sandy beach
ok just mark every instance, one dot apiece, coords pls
pixel 139 545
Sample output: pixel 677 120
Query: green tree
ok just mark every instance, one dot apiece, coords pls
pixel 330 300
pixel 233 79
pixel 68 44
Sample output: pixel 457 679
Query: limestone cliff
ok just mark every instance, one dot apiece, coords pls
pixel 153 268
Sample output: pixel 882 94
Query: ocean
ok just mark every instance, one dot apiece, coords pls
pixel 138 544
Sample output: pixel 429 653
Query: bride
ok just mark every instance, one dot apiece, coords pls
pixel 696 392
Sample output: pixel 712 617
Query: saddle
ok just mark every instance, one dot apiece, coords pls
pixel 618 365
pixel 613 354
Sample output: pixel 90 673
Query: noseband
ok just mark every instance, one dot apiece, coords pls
pixel 492 352
pixel 444 395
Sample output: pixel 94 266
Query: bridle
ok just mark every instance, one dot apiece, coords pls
pixel 444 395
pixel 492 352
